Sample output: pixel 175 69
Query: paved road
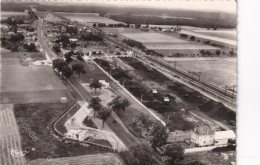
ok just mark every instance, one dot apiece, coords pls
pixel 82 94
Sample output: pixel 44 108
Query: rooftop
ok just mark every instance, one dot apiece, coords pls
pixel 225 135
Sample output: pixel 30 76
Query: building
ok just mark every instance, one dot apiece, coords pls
pixel 104 84
pixel 73 39
pixel 202 136
pixel 222 137
pixel 76 134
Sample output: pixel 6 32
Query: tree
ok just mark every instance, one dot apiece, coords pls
pixel 192 38
pixel 95 104
pixel 218 52
pixel 119 104
pixel 175 151
pixel 159 134
pixel 95 84
pixel 78 67
pixel 56 48
pixel 142 151
pixel 59 64
pixel 66 72
pixel 103 114
pixel 68 56
pixel 31 47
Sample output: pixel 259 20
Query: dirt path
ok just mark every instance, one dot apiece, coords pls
pixel 9 138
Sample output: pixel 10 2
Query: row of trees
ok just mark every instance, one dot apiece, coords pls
pixel 91 37
pixel 63 67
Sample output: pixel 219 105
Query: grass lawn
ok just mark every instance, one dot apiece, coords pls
pixel 92 74
pixel 41 118
pixel 23 84
pixel 212 158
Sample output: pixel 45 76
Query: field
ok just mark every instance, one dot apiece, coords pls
pixel 168 44
pixel 48 16
pixel 228 34
pixel 212 158
pixel 210 37
pixel 87 18
pixel 29 84
pixel 10 137
pixel 222 71
pixel 150 37
pixel 95 159
pixel 6 14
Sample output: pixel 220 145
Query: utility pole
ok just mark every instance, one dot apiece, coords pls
pixel 167 120
pixel 142 98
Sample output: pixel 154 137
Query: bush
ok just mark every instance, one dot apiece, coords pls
pixel 183 35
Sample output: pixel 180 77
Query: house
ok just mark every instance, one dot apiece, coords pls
pixel 202 136
pixel 129 53
pixel 222 137
pixel 104 84
pixel 166 99
pixel 154 91
pixel 76 134
pixel 73 39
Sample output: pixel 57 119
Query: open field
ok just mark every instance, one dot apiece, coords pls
pixel 95 159
pixel 10 138
pixel 209 37
pixel 40 118
pixel 6 14
pixel 228 34
pixel 87 17
pixel 150 37
pixel 222 71
pixel 209 158
pixel 29 84
pixel 48 16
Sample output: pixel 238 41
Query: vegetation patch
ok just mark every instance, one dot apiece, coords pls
pixel 40 119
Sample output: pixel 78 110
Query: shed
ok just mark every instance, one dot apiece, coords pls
pixel 222 137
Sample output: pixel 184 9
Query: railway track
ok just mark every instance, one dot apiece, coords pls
pixel 209 87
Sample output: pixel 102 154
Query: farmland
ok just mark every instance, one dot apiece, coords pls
pixel 36 83
pixel 87 17
pixel 168 44
pixel 6 14
pixel 222 71
pixel 149 37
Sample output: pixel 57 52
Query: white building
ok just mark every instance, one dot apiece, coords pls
pixel 104 84
pixel 76 134
pixel 202 136
pixel 222 137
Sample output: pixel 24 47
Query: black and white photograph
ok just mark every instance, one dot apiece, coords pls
pixel 95 82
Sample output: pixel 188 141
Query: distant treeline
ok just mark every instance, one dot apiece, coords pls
pixel 148 15
pixel 155 20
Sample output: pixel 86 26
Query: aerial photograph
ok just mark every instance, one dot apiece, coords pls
pixel 118 82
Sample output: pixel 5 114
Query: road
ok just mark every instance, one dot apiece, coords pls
pixel 82 94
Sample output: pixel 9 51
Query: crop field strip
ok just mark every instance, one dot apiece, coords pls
pixel 10 137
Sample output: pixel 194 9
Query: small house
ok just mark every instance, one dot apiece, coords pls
pixel 202 136
pixel 73 39
pixel 104 83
